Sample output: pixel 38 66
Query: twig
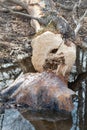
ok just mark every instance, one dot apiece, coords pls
pixel 79 3
pixel 64 7
pixel 81 19
pixel 80 23
pixel 74 12
pixel 69 8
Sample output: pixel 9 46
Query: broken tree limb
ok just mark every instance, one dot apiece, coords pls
pixel 79 23
pixel 33 9
pixel 41 91
pixel 19 13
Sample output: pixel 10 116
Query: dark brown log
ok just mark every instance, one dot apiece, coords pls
pixel 41 91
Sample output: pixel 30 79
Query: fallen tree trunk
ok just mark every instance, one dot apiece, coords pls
pixel 41 91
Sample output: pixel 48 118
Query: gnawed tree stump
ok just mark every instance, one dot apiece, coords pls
pixel 46 90
pixel 50 52
pixel 41 91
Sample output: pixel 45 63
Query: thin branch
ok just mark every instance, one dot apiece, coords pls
pixel 81 19
pixel 74 12
pixel 40 20
pixel 79 25
pixel 64 7
pixel 78 28
pixel 69 8
pixel 79 3
pixel 78 22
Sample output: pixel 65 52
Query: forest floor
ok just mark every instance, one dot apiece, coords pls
pixel 15 36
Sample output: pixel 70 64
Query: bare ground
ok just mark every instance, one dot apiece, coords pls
pixel 15 36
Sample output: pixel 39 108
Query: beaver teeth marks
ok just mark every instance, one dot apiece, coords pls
pixel 54 51
pixel 53 62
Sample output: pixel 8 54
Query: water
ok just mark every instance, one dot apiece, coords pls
pixel 77 120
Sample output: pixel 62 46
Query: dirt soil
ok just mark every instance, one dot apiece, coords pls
pixel 15 36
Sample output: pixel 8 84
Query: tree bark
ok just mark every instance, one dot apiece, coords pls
pixel 41 91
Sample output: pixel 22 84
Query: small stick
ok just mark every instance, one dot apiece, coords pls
pixel 79 25
pixel 64 7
